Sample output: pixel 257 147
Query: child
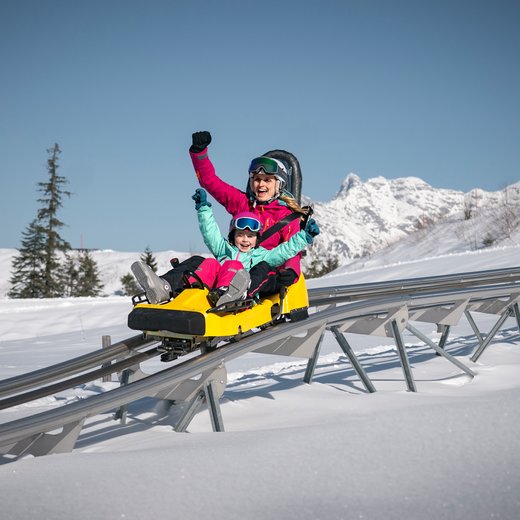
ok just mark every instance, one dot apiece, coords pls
pixel 227 275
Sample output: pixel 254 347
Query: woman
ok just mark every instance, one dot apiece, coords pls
pixel 265 197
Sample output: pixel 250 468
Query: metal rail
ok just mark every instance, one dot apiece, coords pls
pixel 393 311
pixel 70 367
pixel 317 296
pixel 38 393
pixel 321 295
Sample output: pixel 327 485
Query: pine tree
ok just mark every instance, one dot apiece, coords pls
pixel 51 200
pixel 148 258
pixel 28 274
pixel 70 276
pixel 88 282
pixel 319 267
pixel 42 242
pixel 130 286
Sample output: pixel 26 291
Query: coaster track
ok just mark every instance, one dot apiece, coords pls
pixel 389 305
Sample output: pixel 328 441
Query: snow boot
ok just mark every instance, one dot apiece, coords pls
pixel 237 289
pixel 157 289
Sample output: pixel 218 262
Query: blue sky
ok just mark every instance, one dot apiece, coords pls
pixel 379 87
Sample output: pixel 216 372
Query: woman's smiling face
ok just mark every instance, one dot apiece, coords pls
pixel 264 186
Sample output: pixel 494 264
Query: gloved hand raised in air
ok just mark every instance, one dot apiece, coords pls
pixel 201 198
pixel 311 230
pixel 200 141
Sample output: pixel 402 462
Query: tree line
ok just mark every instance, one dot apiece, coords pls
pixel 46 265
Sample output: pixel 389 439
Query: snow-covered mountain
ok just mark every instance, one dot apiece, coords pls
pixel 370 223
pixel 366 217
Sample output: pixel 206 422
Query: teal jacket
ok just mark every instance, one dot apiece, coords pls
pixel 222 250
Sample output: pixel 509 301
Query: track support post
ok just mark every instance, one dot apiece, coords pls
pixel 401 349
pixel 508 312
pixel 313 361
pixel 347 349
pixel 210 395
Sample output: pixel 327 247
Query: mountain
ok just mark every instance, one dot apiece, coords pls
pixel 366 217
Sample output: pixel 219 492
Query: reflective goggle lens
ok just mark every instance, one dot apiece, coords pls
pixel 264 163
pixel 248 223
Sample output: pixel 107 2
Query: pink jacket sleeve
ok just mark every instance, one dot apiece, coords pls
pixel 225 194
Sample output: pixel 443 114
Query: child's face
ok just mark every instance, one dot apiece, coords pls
pixel 245 240
pixel 263 186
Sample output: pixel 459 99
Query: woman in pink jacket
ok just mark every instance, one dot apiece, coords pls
pixel 265 196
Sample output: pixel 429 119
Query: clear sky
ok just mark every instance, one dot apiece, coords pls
pixel 397 88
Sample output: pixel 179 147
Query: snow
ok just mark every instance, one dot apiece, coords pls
pixel 328 450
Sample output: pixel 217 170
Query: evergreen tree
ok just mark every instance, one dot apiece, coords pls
pixel 130 286
pixel 148 258
pixel 319 267
pixel 51 200
pixel 70 276
pixel 43 233
pixel 28 274
pixel 88 281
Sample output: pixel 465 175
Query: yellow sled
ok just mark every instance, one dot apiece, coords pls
pixel 189 315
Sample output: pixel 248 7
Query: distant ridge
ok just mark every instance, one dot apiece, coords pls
pixel 368 216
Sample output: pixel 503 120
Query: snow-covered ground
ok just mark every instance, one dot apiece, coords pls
pixel 328 450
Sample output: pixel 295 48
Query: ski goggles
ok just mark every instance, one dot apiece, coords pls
pixel 268 165
pixel 247 223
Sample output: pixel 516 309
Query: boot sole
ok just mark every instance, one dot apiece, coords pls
pixel 155 292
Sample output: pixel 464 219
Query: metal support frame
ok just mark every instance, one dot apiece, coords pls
pixel 302 345
pixel 474 327
pixel 127 376
pixel 360 371
pixel 106 341
pixel 517 315
pixel 313 360
pixel 209 394
pixel 439 350
pixel 212 400
pixel 401 349
pixel 121 413
pixel 46 443
pixel 492 333
pixel 444 336
pixel 192 408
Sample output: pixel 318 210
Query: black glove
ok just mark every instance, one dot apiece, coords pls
pixel 201 198
pixel 311 230
pixel 287 276
pixel 200 141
